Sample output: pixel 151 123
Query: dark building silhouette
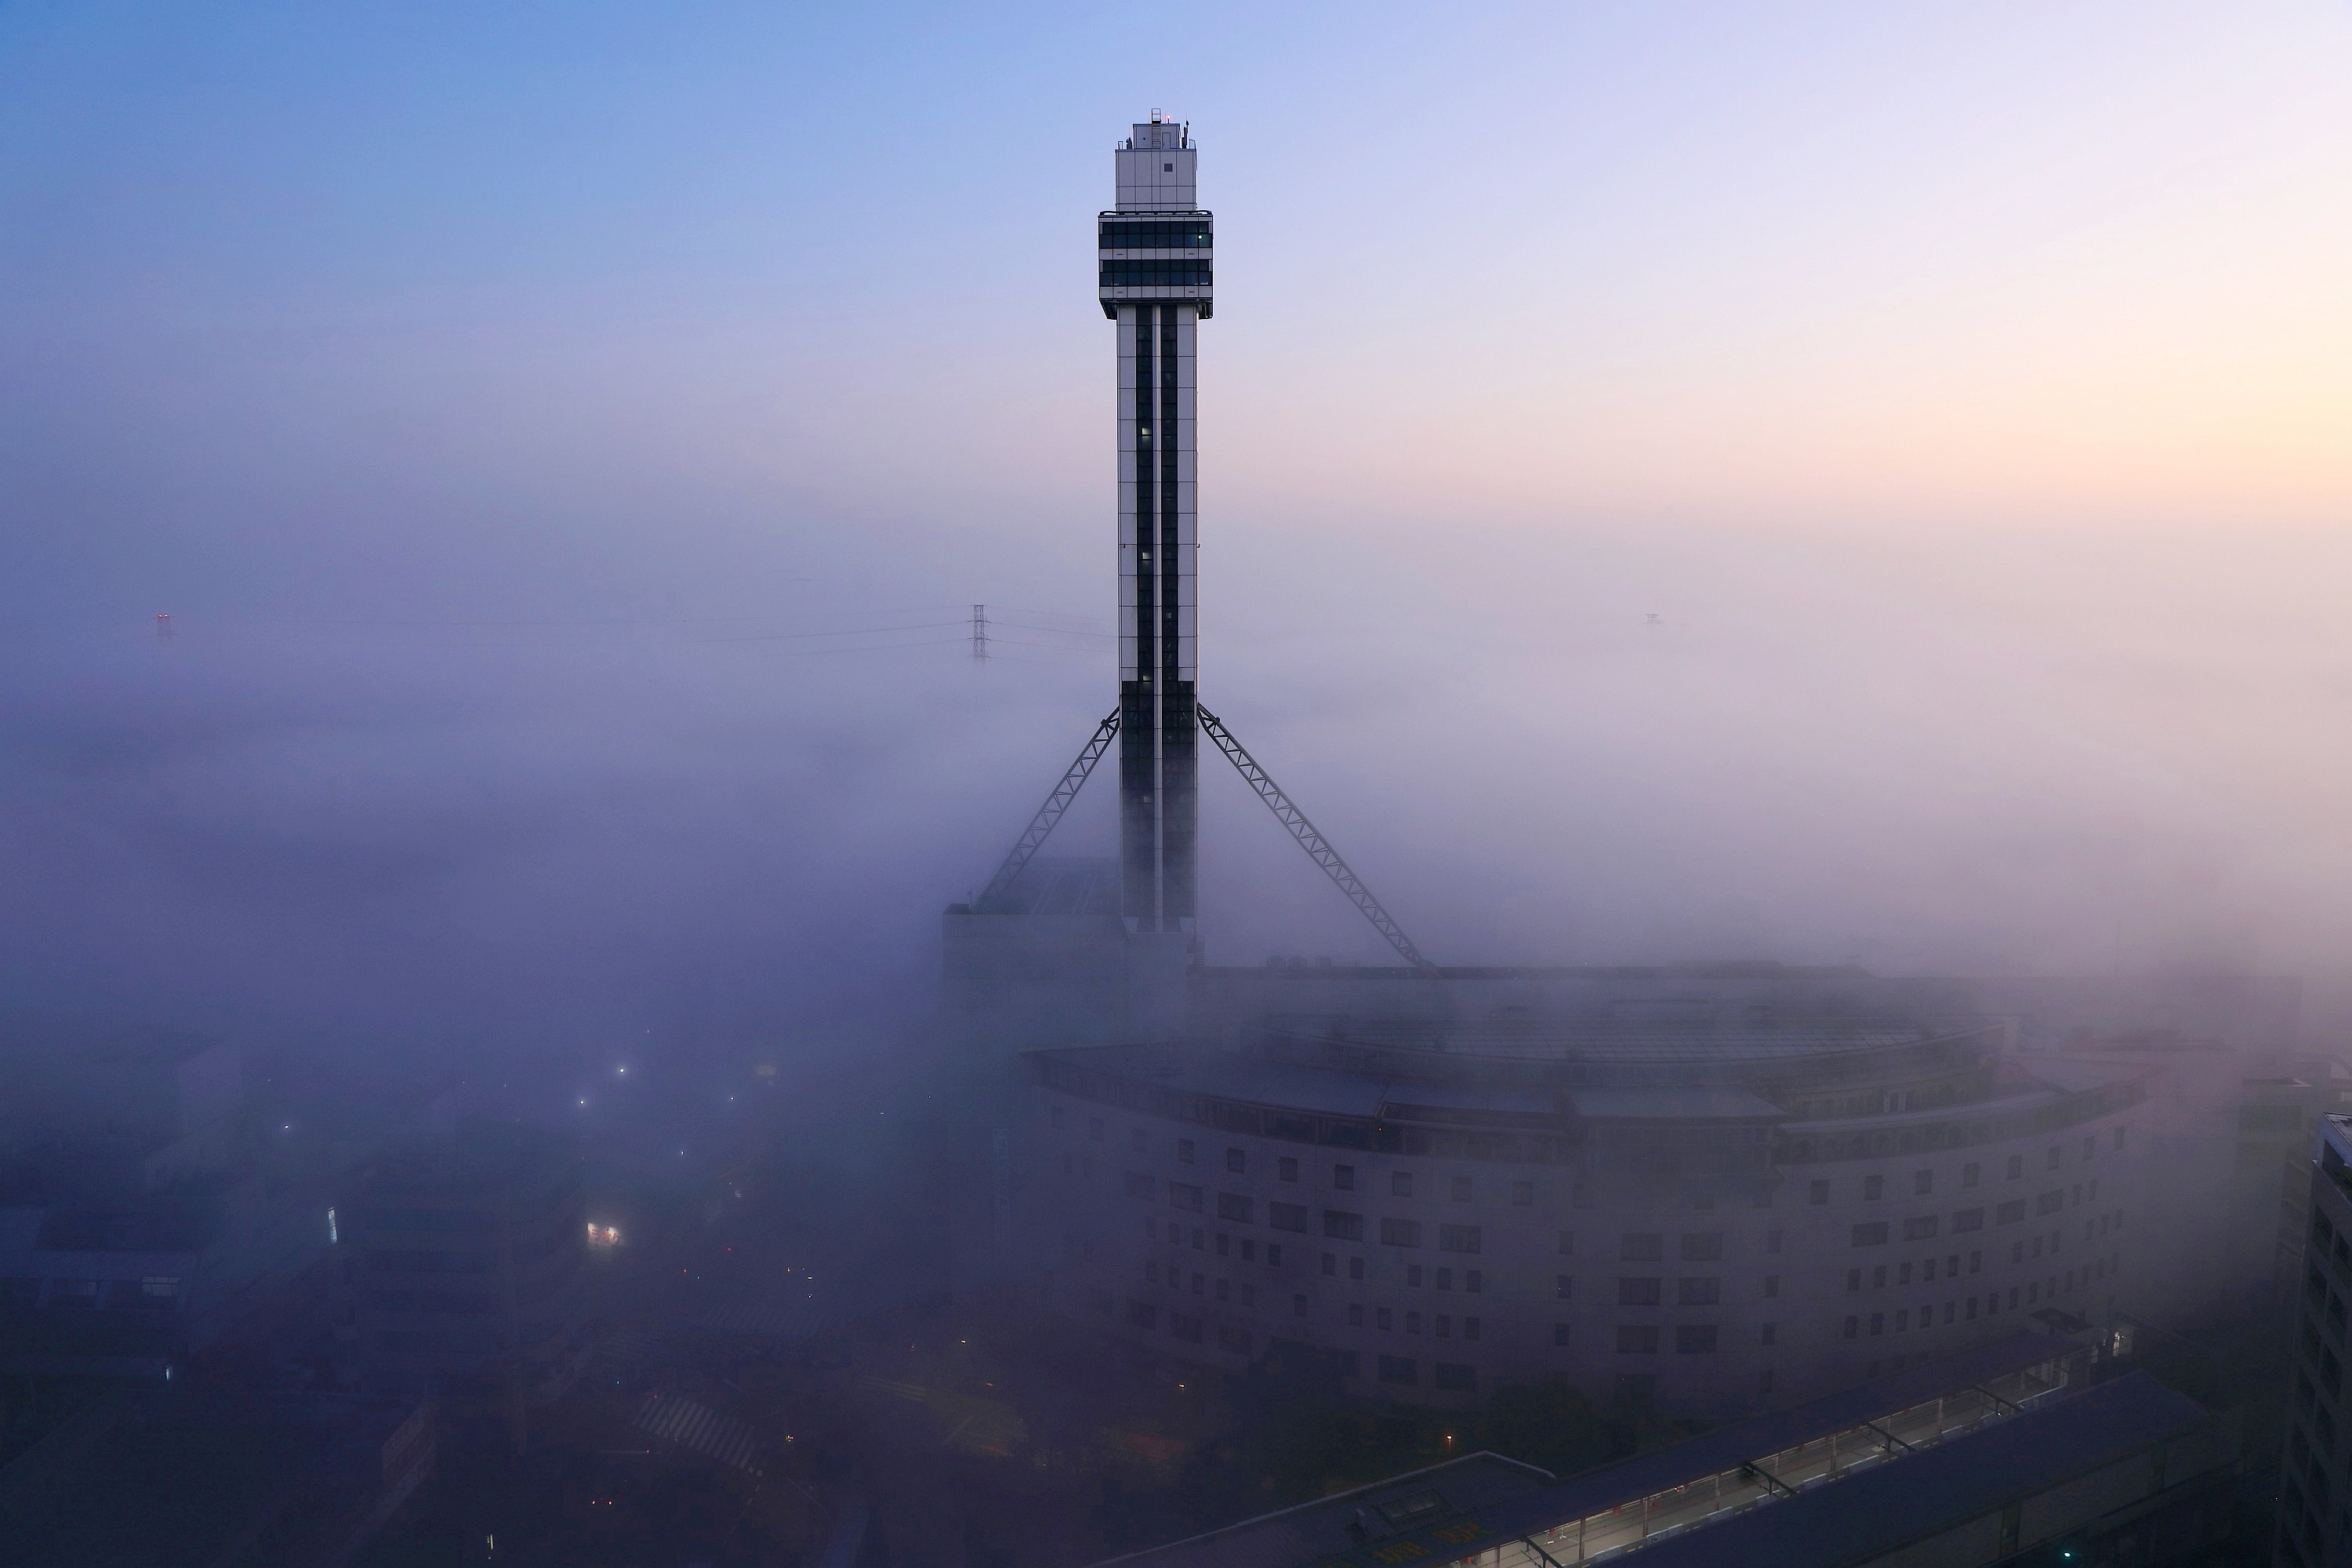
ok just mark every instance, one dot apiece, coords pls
pixel 461 1266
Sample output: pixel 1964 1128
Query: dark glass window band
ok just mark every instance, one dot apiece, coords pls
pixel 1155 234
pixel 1155 275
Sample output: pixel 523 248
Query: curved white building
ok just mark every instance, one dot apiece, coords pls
pixel 1714 1213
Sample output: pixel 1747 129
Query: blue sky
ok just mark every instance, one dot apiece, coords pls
pixel 1968 387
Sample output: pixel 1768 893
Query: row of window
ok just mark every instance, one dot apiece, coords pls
pixel 1925 1228
pixel 1647 1290
pixel 1402 1183
pixel 1922 1182
pixel 1690 1339
pixel 1384 1318
pixel 1154 234
pixel 1474 1280
pixel 1155 275
pixel 2032 1293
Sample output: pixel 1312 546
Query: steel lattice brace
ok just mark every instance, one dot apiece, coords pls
pixel 1310 839
pixel 1041 824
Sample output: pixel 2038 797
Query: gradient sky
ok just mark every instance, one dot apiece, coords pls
pixel 1968 389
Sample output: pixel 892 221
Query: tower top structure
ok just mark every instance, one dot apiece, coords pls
pixel 1155 168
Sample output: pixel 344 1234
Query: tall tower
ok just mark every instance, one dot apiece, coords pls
pixel 1155 283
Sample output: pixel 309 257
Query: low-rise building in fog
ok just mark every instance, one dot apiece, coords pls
pixel 2315 1488
pixel 461 1268
pixel 136 1229
pixel 1710 1209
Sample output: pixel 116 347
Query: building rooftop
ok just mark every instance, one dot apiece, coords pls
pixel 1888 1508
pixel 1666 1034
pixel 1450 1511
pixel 1314 1531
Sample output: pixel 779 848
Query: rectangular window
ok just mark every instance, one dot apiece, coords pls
pixel 1854 1279
pixel 2050 1203
pixel 1400 1370
pixel 1563 1286
pixel 1330 1264
pixel 1637 1339
pixel 1818 1192
pixel 1184 1150
pixel 1640 1292
pixel 1142 1315
pixel 1413 1322
pixel 1413 1274
pixel 1235 1208
pixel 1473 1281
pixel 1286 1216
pixel 1853 1326
pixel 1874 1188
pixel 1355 1316
pixel 1138 1186
pixel 1382 1317
pixel 1697 1292
pixel 1461 1188
pixel 1236 1162
pixel 1298 1306
pixel 1970 1173
pixel 1342 1225
pixel 2016 1166
pixel 1459 1237
pixel 2011 1212
pixel 1771 1286
pixel 1274 1255
pixel 1772 1242
pixel 1702 1246
pixel 1568 1244
pixel 1445 1279
pixel 1399 1233
pixel 1922 1183
pixel 1921 1228
pixel 1343 1178
pixel 1399 1183
pixel 1355 1268
pixel 1695 1339
pixel 1770 1335
pixel 1639 1247
pixel 1183 1195
pixel 2057 1157
pixel 1285 1169
pixel 1469 1327
pixel 1442 1325
pixel 1870 1232
pixel 1966 1220
pixel 1523 1193
pixel 1456 1378
pixel 1560 1335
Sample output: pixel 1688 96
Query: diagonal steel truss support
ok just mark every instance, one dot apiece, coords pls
pixel 1318 848
pixel 1051 812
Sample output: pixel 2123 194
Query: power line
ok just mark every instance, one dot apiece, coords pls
pixel 845 632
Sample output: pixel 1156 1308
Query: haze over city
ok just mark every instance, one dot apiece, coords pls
pixel 497 502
